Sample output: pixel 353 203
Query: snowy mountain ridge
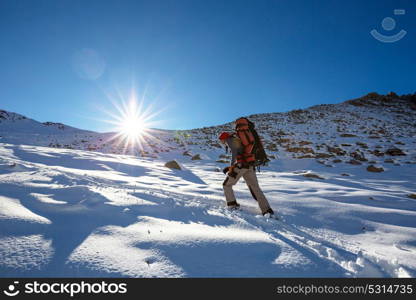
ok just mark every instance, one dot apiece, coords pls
pixel 379 114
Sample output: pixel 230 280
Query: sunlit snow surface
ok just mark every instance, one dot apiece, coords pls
pixel 76 213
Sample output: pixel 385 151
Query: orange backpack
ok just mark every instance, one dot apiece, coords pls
pixel 247 139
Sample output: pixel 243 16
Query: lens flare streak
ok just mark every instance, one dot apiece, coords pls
pixel 132 125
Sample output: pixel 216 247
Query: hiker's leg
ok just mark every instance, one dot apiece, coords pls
pixel 228 186
pixel 251 181
pixel 252 193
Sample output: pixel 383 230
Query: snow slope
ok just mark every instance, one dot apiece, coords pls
pixel 75 213
pixel 71 212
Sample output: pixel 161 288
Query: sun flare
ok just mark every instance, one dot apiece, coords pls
pixel 133 124
pixel 132 127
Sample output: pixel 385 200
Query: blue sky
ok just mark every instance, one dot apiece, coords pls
pixel 199 63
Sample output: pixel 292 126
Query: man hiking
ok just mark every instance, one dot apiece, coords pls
pixel 243 164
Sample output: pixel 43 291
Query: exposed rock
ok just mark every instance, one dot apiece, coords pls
pixel 304 143
pixel 395 152
pixel 186 153
pixel 389 161
pixel 299 150
pixel 413 196
pixel 372 168
pixel 216 145
pixel 283 141
pixel 306 156
pixel 196 157
pixel 336 161
pixel 348 135
pixel 358 156
pixel 271 147
pixel 323 155
pixel 173 164
pixel 312 175
pixel 345 174
pixel 354 162
pixel 377 153
pixel 346 145
pixel 336 150
pixel 281 132
pixel 222 161
pixel 361 144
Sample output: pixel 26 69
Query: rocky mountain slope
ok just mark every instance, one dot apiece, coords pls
pixel 370 130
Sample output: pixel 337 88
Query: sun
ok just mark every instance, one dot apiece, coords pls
pixel 132 127
pixel 133 124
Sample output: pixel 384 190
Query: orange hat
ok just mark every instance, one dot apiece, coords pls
pixel 224 135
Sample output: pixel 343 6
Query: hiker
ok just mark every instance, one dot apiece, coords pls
pixel 243 164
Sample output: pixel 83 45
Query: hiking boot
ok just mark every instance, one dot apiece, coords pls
pixel 233 205
pixel 268 213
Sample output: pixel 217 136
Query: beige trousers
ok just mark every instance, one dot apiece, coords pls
pixel 249 175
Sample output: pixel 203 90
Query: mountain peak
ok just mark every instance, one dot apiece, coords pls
pixel 390 99
pixel 6 115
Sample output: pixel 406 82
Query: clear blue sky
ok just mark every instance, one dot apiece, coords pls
pixel 203 62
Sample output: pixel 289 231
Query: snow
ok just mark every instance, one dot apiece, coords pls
pixel 12 209
pixel 109 215
pixel 72 212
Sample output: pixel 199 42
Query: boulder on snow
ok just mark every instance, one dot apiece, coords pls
pixel 395 152
pixel 304 143
pixel 173 164
pixel 377 153
pixel 196 157
pixel 354 162
pixel 372 168
pixel 413 196
pixel 348 135
pixel 358 156
pixel 222 161
pixel 312 175
pixel 336 150
pixel 299 150
pixel 186 153
pixel 306 156
pixel 361 144
pixel 323 155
